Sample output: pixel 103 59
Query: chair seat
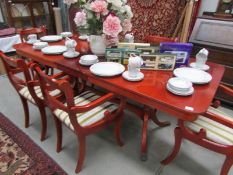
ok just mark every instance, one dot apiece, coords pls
pixel 89 117
pixel 25 92
pixel 215 131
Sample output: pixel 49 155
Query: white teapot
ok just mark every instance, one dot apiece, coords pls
pixel 129 38
pixel 134 64
pixel 202 57
pixel 70 44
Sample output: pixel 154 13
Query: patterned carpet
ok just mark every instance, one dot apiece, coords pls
pixel 19 155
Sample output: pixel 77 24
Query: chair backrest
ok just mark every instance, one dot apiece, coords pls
pixel 40 31
pixel 13 66
pixel 153 39
pixel 47 83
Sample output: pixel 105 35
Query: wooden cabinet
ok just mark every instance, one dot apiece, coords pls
pixel 29 13
pixel 216 34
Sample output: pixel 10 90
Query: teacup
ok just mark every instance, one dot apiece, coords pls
pixel 134 65
pixel 201 57
pixel 32 37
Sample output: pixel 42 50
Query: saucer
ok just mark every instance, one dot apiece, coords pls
pixel 205 67
pixel 32 42
pixel 36 48
pixel 138 78
pixel 74 55
pixel 189 92
pixel 86 63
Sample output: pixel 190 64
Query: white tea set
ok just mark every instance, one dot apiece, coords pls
pixel 88 60
pixel 70 44
pixel 201 58
pixel 134 64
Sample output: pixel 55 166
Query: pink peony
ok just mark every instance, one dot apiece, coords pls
pixel 80 18
pixel 127 25
pixel 69 2
pixel 112 26
pixel 99 6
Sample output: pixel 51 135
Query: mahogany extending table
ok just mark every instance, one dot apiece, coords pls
pixel 151 91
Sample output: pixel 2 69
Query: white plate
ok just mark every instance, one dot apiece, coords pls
pixel 126 76
pixel 73 55
pixel 179 84
pixel 87 64
pixel 205 67
pixel 35 48
pixel 88 58
pixel 196 76
pixel 51 38
pixel 190 92
pixel 54 50
pixel 66 34
pixel 32 42
pixel 107 69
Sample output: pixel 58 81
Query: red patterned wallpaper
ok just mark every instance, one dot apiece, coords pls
pixel 155 17
pixel 152 17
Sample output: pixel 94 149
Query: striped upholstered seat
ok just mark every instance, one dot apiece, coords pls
pixel 89 117
pixel 25 92
pixel 214 131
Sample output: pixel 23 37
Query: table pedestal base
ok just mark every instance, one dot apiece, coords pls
pixel 149 114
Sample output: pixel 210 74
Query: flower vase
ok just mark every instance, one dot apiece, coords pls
pixel 97 44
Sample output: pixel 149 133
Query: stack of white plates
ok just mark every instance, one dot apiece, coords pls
pixel 39 45
pixel 88 60
pixel 180 86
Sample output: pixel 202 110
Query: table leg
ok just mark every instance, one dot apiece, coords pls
pixel 155 119
pixel 149 113
pixel 144 137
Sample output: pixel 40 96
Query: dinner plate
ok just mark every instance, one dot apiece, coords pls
pixel 107 69
pixel 190 92
pixel 54 50
pixel 51 38
pixel 196 76
pixel 205 67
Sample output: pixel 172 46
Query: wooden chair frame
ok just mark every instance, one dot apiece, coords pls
pixel 182 132
pixel 158 39
pixel 72 110
pixel 38 31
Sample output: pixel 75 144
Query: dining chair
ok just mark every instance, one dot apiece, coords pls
pixel 212 130
pixel 153 39
pixel 27 93
pixel 83 114
pixel 39 31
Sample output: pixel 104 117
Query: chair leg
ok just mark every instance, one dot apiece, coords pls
pixel 227 165
pixel 82 151
pixel 43 122
pixel 118 129
pixel 26 111
pixel 58 124
pixel 178 139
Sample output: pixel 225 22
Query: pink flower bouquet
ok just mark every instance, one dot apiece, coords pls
pixel 109 17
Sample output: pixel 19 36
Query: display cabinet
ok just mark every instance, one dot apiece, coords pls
pixel 29 13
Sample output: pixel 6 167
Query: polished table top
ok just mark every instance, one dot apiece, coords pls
pixel 151 91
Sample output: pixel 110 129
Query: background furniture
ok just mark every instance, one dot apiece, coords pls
pixel 29 13
pixel 7 42
pixel 212 130
pixel 216 34
pixel 40 31
pixel 224 9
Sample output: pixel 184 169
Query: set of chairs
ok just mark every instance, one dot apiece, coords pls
pixel 85 111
